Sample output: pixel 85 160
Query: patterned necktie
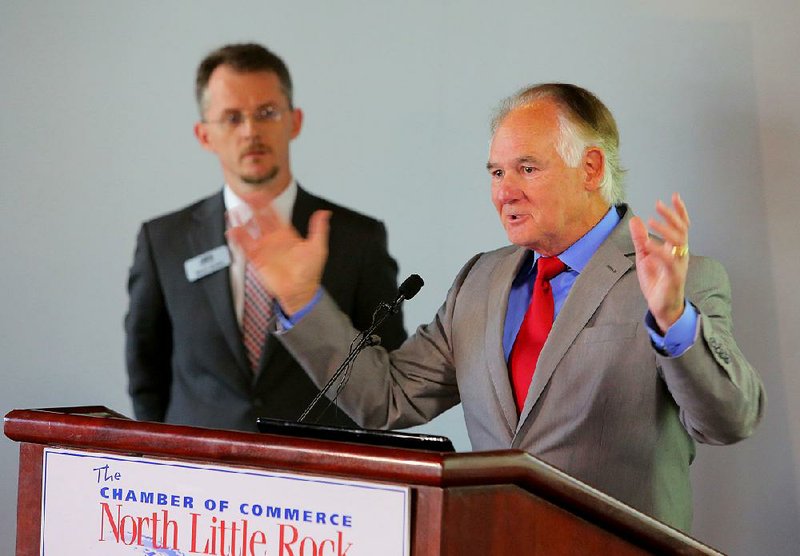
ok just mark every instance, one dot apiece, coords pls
pixel 256 316
pixel 534 329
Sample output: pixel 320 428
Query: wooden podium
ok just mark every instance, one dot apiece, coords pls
pixel 504 502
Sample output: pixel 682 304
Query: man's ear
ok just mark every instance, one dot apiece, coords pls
pixel 201 132
pixel 594 166
pixel 297 122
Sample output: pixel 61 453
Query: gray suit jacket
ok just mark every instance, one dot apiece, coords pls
pixel 186 360
pixel 604 406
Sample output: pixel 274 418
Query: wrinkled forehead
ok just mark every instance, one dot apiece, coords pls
pixel 539 115
pixel 533 126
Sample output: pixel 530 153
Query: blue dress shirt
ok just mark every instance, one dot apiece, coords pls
pixel 677 339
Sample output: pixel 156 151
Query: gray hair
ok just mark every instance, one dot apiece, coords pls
pixel 584 121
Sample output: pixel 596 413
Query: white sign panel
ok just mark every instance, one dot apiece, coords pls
pixel 106 505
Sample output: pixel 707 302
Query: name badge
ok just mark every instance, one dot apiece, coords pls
pixel 207 263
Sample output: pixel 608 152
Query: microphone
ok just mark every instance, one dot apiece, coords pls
pixel 408 289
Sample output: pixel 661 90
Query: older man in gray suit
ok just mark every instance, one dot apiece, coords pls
pixel 600 348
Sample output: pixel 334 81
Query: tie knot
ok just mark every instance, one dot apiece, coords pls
pixel 549 267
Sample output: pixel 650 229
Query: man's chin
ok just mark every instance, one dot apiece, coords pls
pixel 260 180
pixel 519 239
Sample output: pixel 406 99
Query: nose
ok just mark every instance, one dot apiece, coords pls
pixel 249 126
pixel 507 190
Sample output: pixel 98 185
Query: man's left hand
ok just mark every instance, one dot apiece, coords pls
pixel 662 265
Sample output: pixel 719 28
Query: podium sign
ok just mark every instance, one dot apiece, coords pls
pixel 105 504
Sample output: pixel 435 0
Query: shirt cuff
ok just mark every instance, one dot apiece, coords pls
pixel 286 322
pixel 679 337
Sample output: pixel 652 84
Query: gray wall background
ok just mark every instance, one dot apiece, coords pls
pixel 96 114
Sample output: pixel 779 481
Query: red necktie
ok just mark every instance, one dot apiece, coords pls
pixel 256 316
pixel 534 329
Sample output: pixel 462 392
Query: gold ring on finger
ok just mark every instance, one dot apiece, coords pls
pixel 680 251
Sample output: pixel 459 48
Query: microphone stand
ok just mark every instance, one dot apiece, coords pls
pixel 364 339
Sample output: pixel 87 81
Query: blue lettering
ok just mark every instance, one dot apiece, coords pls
pixel 273 512
pixel 295 514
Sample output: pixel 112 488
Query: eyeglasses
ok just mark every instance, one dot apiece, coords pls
pixel 233 119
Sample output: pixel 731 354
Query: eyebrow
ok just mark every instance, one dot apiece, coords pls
pixel 268 104
pixel 491 165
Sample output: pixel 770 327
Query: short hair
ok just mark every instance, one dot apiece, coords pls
pixel 245 58
pixel 584 121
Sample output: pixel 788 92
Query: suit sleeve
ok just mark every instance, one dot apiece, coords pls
pixel 720 395
pixel 388 390
pixel 377 281
pixel 148 347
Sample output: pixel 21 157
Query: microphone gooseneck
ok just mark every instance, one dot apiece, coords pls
pixel 408 289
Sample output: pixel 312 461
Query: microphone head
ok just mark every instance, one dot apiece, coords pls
pixel 411 286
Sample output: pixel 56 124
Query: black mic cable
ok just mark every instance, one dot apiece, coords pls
pixel 408 289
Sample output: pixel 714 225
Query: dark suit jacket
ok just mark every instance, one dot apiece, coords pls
pixel 604 406
pixel 185 356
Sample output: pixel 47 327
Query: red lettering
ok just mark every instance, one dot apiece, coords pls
pixel 105 512
pixel 303 546
pixel 341 543
pixel 322 547
pixel 284 544
pixel 130 529
pixel 253 541
pixel 120 525
pixel 193 547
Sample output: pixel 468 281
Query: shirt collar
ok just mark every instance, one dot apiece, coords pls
pixel 577 255
pixel 283 203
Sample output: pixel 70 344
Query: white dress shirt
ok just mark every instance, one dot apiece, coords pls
pixel 283 204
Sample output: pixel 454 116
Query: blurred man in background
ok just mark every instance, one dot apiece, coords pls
pixel 199 349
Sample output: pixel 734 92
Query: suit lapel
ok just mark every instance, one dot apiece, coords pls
pixel 304 205
pixel 609 263
pixel 497 305
pixel 207 232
